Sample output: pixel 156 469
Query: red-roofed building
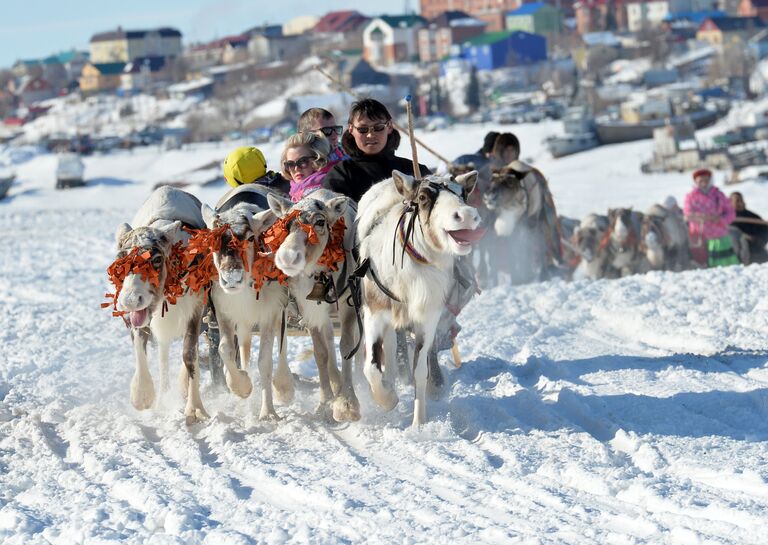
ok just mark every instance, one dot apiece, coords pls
pixel 227 50
pixel 339 30
pixel 749 8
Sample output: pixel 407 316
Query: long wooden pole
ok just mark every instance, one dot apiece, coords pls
pixel 394 123
pixel 414 151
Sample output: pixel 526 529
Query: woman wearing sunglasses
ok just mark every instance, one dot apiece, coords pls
pixel 370 141
pixel 304 162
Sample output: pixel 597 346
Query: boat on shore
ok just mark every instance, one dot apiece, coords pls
pixel 579 133
pixel 616 131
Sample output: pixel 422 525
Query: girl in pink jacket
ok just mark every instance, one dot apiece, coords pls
pixel 708 213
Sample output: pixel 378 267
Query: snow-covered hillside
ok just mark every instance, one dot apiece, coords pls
pixel 631 411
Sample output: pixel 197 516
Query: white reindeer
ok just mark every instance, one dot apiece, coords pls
pixel 298 258
pixel 433 226
pixel 155 229
pixel 240 307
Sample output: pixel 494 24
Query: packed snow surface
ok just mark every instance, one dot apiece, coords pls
pixel 629 411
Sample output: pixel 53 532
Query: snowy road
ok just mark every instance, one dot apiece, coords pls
pixel 630 411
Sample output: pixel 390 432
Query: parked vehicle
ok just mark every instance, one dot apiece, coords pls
pixel 70 171
pixel 6 181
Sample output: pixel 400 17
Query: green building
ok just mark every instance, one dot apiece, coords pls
pixel 537 18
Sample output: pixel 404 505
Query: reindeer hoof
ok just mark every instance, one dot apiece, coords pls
pixel 385 397
pixel 195 416
pixel 240 383
pixel 270 416
pixel 325 412
pixel 142 392
pixel 346 409
pixel 283 388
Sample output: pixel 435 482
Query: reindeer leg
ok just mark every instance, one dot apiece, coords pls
pixel 346 407
pixel 142 388
pixel 266 343
pixel 194 410
pixel 320 343
pixel 282 381
pixel 333 368
pixel 425 336
pixel 163 348
pixel 376 328
pixel 238 380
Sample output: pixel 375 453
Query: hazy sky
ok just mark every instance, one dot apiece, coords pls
pixel 36 28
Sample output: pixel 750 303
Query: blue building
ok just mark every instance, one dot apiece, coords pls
pixel 506 48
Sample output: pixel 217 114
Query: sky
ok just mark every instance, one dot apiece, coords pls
pixel 36 28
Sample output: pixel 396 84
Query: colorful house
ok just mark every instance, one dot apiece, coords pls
pixel 341 30
pixel 392 38
pixel 125 45
pixel 721 30
pixel 750 8
pixel 450 27
pixel 536 18
pixel 98 77
pixel 506 48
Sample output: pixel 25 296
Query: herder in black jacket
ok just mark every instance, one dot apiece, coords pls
pixel 370 140
pixel 756 233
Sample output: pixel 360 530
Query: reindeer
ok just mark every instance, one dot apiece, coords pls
pixel 240 305
pixel 585 242
pixel 433 227
pixel 664 240
pixel 145 254
pixel 312 229
pixel 525 223
pixel 620 244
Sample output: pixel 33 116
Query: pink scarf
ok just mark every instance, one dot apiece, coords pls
pixel 309 184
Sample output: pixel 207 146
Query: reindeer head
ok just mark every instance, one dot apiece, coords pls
pixel 588 235
pixel 148 249
pixel 508 197
pixel 652 240
pixel 308 226
pixel 449 224
pixel 622 227
pixel 236 251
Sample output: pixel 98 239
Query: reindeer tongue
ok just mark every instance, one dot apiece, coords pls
pixel 138 317
pixel 467 236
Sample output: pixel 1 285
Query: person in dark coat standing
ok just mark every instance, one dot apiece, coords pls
pixel 370 141
pixel 756 233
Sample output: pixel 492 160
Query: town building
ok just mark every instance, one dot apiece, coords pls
pixel 339 30
pixel 143 74
pixel 502 49
pixel 125 45
pixel 492 12
pixel 646 14
pixel 97 77
pixel 450 27
pixel 750 8
pixel 390 39
pixel 722 30
pixel 536 18
pixel 227 50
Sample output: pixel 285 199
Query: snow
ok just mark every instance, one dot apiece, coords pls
pixel 630 411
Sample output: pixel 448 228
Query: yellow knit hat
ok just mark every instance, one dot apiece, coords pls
pixel 244 165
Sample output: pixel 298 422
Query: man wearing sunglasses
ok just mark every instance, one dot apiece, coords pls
pixel 370 141
pixel 323 123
